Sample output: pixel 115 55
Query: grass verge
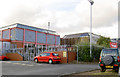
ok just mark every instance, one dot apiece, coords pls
pixel 94 73
pixel 108 72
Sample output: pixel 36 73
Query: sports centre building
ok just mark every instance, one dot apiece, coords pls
pixel 26 40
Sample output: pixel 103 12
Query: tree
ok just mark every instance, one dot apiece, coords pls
pixel 103 41
pixel 84 52
pixel 84 49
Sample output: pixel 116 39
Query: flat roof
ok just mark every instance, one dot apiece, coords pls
pixel 27 27
pixel 85 34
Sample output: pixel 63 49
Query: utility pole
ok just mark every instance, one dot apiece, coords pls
pixel 48 26
pixel 91 2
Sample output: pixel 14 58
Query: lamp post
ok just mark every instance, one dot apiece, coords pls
pixel 91 2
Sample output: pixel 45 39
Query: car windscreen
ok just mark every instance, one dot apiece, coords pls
pixel 112 52
pixel 55 54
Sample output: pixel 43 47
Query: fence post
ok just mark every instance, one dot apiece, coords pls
pixel 67 54
pixel 77 54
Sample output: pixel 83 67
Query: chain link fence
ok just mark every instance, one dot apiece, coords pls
pixel 82 51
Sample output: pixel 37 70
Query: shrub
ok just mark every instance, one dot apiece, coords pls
pixel 84 53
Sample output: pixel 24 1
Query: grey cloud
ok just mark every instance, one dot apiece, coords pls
pixel 63 22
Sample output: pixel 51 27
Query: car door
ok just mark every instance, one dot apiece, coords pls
pixel 42 57
pixel 47 57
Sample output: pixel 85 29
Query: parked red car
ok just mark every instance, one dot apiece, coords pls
pixel 3 58
pixel 49 57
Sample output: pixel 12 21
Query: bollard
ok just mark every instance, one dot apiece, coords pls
pixel 77 54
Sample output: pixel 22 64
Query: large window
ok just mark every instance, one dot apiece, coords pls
pixel 112 52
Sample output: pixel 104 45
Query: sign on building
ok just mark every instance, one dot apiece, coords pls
pixel 64 54
pixel 113 45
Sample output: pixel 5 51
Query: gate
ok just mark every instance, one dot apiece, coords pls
pixel 29 54
pixel 31 51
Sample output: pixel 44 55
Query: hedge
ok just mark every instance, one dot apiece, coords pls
pixel 84 53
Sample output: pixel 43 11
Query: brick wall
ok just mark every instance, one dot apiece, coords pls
pixel 14 56
pixel 19 45
pixel 63 59
pixel 71 56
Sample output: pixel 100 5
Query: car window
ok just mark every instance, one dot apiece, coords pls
pixel 112 52
pixel 45 54
pixel 55 54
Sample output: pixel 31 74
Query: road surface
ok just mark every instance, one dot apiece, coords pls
pixel 32 68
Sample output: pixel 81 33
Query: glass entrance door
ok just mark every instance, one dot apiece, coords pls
pixel 30 52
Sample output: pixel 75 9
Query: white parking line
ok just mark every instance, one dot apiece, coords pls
pixel 26 63
pixel 23 64
pixel 7 62
pixel 16 63
pixel 66 73
pixel 30 65
pixel 41 64
pixel 20 64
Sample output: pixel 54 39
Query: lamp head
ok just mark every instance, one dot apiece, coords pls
pixel 91 1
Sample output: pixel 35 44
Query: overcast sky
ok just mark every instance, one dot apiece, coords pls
pixel 66 16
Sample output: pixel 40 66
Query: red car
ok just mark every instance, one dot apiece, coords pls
pixel 3 58
pixel 49 57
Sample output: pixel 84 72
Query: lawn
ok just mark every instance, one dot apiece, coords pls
pixel 94 73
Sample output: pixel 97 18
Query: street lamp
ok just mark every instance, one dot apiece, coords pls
pixel 91 2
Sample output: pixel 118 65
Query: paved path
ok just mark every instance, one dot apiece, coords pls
pixel 32 68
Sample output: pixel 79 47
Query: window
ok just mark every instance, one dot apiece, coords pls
pixel 45 54
pixel 54 54
pixel 109 52
pixel 48 54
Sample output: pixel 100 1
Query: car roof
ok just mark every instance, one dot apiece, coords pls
pixel 48 52
pixel 110 48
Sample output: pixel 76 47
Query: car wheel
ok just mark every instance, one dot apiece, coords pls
pixel 102 69
pixel 50 61
pixel 116 69
pixel 4 59
pixel 36 60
